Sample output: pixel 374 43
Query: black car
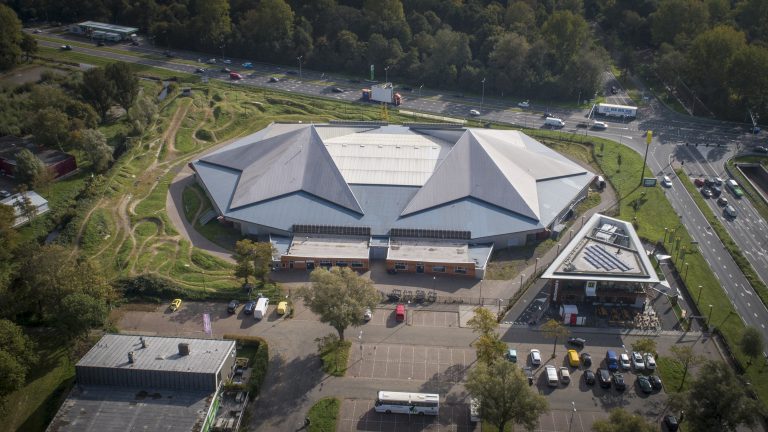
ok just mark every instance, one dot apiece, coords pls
pixel 709 181
pixel 655 382
pixel 614 90
pixel 249 306
pixel 589 377
pixel 232 306
pixel 604 377
pixel 707 192
pixel 337 90
pixel 586 359
pixel 671 422
pixel 529 373
pixel 99 43
pixel 292 72
pixel 199 70
pixel 226 70
pixel 761 149
pixel 577 342
pixel 618 381
pixel 273 79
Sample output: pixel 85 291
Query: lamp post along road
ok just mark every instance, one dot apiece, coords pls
pixel 299 59
pixel 482 97
pixel 386 74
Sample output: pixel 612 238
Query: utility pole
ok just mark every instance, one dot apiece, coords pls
pixel 299 59
pixel 648 138
pixel 482 98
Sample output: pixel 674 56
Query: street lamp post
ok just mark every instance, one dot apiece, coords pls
pixel 522 276
pixel 536 266
pixel 558 249
pixel 299 59
pixel 698 300
pixel 386 74
pixel 420 90
pixel 482 97
pixel 573 414
pixel 710 315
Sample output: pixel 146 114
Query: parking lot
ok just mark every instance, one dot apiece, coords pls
pixel 415 317
pixel 358 415
pixel 438 366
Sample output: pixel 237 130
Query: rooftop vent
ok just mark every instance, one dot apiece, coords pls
pixel 184 349
pixel 131 357
pixel 143 341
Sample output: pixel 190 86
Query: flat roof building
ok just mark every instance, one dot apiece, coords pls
pixel 128 382
pixel 37 206
pixel 103 31
pixel 428 183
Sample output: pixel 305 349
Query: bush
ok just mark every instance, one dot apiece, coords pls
pixel 149 288
pixel 204 134
pixel 260 360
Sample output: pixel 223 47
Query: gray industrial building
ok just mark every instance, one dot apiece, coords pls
pixel 128 382
pixel 391 183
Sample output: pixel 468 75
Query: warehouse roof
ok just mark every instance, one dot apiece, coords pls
pixel 329 247
pixel 160 353
pixel 108 27
pixel 605 249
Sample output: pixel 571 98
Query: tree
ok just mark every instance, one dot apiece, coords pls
pixel 29 168
pixel 644 345
pixel 51 127
pixel 678 20
pixel 97 90
pixel 79 314
pixel 488 345
pixel 269 26
pixel 10 38
pixel 717 400
pixel 623 421
pixel 14 375
pixel 94 144
pixel 212 24
pixel 555 330
pixel 751 343
pixel 566 33
pixel 340 297
pixel 505 396
pixel 685 355
pixel 244 267
pixel 126 85
pixel 28 45
pixel 15 342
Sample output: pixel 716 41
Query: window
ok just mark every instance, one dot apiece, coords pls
pixel 438 269
pixel 325 263
pixel 341 264
pixel 356 264
pixel 461 270
pixel 401 266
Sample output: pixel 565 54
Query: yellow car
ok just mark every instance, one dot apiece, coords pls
pixel 282 308
pixel 175 304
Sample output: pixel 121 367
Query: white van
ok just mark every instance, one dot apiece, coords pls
pixel 552 379
pixel 474 410
pixel 260 311
pixel 554 122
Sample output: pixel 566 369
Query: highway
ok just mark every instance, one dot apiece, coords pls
pixel 717 142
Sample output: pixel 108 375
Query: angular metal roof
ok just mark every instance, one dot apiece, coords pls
pixel 283 164
pixel 497 167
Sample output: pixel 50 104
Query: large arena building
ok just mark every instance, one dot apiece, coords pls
pixel 425 198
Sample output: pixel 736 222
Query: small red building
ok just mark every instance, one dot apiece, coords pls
pixel 58 162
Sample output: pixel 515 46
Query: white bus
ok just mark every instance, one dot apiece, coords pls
pixel 610 110
pixel 407 403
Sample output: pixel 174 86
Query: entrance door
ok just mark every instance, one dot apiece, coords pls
pixel 310 265
pixel 419 268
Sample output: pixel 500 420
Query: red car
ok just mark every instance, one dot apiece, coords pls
pixel 400 313
pixel 235 76
pixel 699 182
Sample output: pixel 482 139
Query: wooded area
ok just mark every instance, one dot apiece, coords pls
pixel 713 50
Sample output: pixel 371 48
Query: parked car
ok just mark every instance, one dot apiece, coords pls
pixel 529 373
pixel 699 182
pixel 637 361
pixel 577 342
pixel 586 359
pixel 707 192
pixel 644 384
pixel 400 313
pixel 282 308
pixel 474 112
pixel 565 376
pixel 604 377
pixel 589 377
pixel 249 306
pixel 624 361
pixel 650 362
pixel 671 423
pixel 722 201
pixel 232 306
pixel 511 355
pixel 655 382
pixel 367 315
pixel 535 357
pixel 524 104
pixel 611 361
pixel 175 305
pixel 618 381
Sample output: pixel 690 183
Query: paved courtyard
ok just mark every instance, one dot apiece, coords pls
pixel 407 362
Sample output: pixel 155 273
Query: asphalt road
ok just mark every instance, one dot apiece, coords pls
pixel 671 132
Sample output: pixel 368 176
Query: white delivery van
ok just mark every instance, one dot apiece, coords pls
pixel 260 311
pixel 554 122
pixel 552 379
pixel 474 410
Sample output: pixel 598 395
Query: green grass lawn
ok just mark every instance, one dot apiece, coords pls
pixel 335 356
pixel 324 415
pixel 31 408
pixel 671 373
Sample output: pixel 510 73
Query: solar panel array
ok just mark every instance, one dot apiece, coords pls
pixel 601 258
pixel 332 230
